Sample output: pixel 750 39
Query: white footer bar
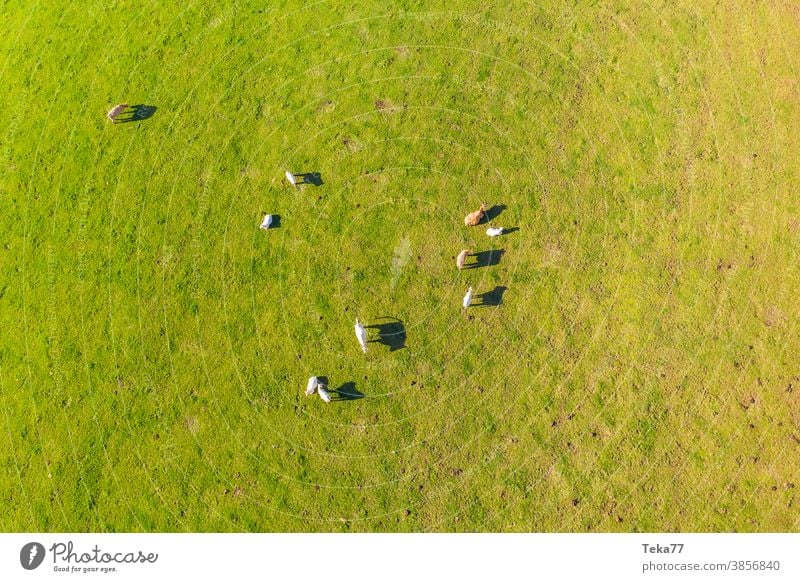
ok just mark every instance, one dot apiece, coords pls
pixel 408 557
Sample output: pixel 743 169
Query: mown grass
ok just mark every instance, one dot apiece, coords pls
pixel 640 374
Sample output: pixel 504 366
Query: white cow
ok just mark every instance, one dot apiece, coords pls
pixel 291 177
pixel 493 232
pixel 313 385
pixel 323 393
pixel 467 298
pixel 265 224
pixel 361 335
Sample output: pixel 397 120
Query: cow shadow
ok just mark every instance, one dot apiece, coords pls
pixel 391 334
pixel 313 178
pixel 509 230
pixel 346 391
pixel 494 212
pixel 488 258
pixel 492 298
pixel 136 113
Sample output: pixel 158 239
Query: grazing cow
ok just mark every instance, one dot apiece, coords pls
pixel 361 335
pixel 323 393
pixel 474 218
pixel 493 232
pixel 462 258
pixel 114 113
pixel 265 224
pixel 313 385
pixel 291 177
pixel 467 298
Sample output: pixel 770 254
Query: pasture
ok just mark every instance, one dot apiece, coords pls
pixel 629 363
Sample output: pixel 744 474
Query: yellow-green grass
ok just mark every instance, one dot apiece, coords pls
pixel 641 372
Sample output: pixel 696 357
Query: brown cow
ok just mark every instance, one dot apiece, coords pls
pixel 462 258
pixel 474 218
pixel 114 113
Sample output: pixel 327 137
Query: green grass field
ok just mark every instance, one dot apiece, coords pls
pixel 640 373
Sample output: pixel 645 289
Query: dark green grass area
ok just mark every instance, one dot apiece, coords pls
pixel 636 367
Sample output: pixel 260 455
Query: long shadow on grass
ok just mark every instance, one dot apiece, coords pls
pixel 488 258
pixel 313 178
pixel 492 298
pixel 391 334
pixel 494 212
pixel 136 113
pixel 346 391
